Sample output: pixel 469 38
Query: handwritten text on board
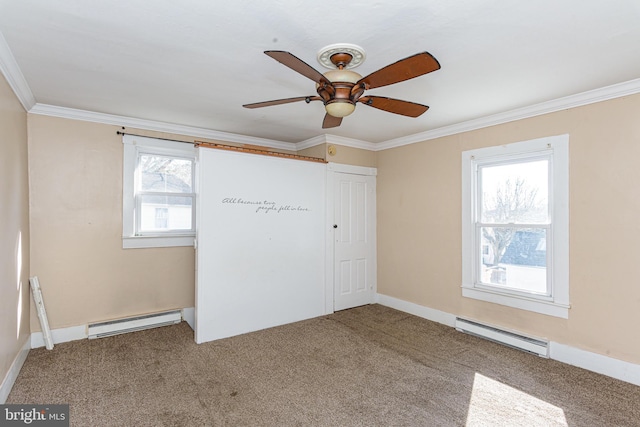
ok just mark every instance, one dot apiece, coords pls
pixel 265 206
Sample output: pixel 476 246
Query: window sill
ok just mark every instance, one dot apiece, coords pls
pixel 139 242
pixel 530 304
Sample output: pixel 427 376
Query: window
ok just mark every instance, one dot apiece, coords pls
pixel 158 193
pixel 516 225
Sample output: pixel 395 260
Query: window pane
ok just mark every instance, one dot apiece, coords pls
pixel 514 258
pixel 515 193
pixel 162 218
pixel 165 174
pixel 165 213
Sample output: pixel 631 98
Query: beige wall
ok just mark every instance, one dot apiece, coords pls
pixel 14 228
pixel 76 231
pixel 319 151
pixel 419 226
pixel 353 156
pixel 345 155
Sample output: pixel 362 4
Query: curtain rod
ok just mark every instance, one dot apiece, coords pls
pixel 250 149
pixel 155 137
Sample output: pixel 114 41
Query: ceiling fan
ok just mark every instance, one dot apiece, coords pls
pixel 340 88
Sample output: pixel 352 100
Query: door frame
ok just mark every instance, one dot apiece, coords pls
pixel 332 168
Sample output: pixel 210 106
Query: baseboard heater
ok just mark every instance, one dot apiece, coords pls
pixel 521 342
pixel 132 324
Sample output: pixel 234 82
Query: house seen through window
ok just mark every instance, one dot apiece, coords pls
pixel 165 194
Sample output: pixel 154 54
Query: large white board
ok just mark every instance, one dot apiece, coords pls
pixel 261 242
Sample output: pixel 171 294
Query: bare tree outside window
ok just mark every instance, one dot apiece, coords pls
pixel 513 219
pixel 167 169
pixel 513 202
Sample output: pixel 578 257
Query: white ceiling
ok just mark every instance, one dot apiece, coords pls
pixel 195 62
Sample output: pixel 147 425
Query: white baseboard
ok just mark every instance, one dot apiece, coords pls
pixel 74 333
pixel 189 316
pixel 417 310
pixel 14 370
pixel 60 335
pixel 615 368
pixel 619 369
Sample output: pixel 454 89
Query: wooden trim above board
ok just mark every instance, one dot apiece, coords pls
pixel 253 150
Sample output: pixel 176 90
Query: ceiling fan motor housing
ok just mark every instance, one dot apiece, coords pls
pixel 337 96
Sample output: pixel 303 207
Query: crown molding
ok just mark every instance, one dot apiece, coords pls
pixel 311 142
pixel 111 119
pixel 13 74
pixel 351 142
pixel 334 139
pixel 619 90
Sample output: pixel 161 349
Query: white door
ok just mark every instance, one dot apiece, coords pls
pixel 354 240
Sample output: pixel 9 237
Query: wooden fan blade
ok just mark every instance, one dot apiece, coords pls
pixel 331 122
pixel 298 65
pixel 281 101
pixel 405 69
pixel 396 106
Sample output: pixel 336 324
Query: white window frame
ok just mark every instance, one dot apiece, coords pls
pixel 133 147
pixel 556 149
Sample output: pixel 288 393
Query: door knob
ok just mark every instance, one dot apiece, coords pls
pixel 335 225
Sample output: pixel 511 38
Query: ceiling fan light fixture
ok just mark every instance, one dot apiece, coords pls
pixel 340 108
pixel 343 80
pixel 342 76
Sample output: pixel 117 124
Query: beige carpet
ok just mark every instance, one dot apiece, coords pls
pixel 369 366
